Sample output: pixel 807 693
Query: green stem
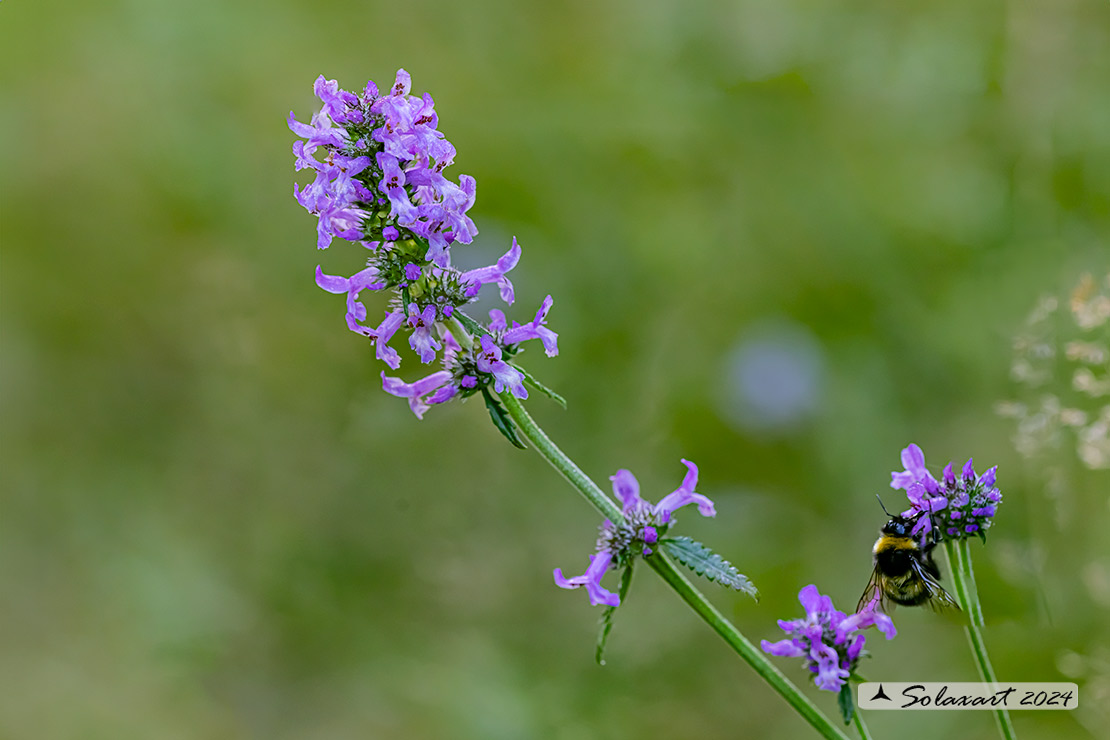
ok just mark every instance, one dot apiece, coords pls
pixel 864 733
pixel 666 569
pixel 963 550
pixel 959 559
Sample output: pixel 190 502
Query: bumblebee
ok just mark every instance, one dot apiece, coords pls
pixel 905 573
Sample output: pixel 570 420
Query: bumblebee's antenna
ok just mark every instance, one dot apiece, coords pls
pixel 883 505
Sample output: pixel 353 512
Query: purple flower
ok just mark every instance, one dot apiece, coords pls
pixel 913 460
pixel 922 506
pixel 831 641
pixel 337 103
pixel 642 525
pixel 504 374
pixel 495 273
pixel 352 286
pixel 591 579
pixel 383 334
pixel 416 392
pixel 961 505
pixel 421 339
pixel 497 320
pixel 537 329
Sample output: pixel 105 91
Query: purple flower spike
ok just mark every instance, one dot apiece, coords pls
pixel 495 273
pixel 683 495
pixel 378 162
pixel 591 579
pixel 504 374
pixel 962 505
pixel 831 641
pixel 415 392
pixel 537 329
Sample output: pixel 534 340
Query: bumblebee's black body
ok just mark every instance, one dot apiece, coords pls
pixel 905 573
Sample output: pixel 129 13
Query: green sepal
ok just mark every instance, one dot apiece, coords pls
pixel 501 419
pixel 856 678
pixel 845 703
pixel 607 617
pixel 529 380
pixel 983 535
pixel 708 564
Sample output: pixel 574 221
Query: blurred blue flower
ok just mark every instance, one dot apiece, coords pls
pixel 773 378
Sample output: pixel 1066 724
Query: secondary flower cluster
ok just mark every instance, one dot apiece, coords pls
pixel 644 523
pixel 830 640
pixel 962 505
pixel 379 162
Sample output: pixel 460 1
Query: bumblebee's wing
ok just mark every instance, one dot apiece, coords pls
pixel 874 593
pixel 939 600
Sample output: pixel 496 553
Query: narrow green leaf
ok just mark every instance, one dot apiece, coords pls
pixel 607 617
pixel 530 380
pixel 845 703
pixel 708 564
pixel 470 324
pixel 501 419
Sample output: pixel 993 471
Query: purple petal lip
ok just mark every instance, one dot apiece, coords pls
pixel 627 489
pixel 591 579
pixel 684 495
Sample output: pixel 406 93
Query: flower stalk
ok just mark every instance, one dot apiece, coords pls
pixel 861 726
pixel 959 559
pixel 666 569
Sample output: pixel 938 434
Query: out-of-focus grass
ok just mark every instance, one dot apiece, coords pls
pixel 215 525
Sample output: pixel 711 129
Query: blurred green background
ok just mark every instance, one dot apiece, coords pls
pixel 784 239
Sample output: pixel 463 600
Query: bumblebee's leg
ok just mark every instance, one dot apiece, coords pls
pixel 934 530
pixel 927 561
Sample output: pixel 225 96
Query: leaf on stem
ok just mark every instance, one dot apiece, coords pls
pixel 470 324
pixel 501 419
pixel 845 703
pixel 529 380
pixel 708 564
pixel 607 617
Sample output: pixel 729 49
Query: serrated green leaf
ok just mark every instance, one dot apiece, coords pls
pixel 845 703
pixel 607 617
pixel 501 419
pixel 530 380
pixel 708 564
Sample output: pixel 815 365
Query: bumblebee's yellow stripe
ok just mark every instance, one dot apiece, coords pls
pixel 894 543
